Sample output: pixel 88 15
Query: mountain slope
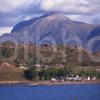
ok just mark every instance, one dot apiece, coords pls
pixel 53 29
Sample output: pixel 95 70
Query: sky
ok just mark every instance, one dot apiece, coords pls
pixel 14 11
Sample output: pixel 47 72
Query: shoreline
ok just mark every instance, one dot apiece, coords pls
pixel 32 83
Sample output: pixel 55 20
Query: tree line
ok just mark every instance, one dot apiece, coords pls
pixel 35 74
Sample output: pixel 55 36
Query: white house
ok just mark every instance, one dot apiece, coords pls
pixel 53 80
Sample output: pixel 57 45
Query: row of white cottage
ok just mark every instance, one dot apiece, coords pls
pixel 77 78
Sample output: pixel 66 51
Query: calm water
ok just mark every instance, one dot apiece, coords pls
pixel 63 92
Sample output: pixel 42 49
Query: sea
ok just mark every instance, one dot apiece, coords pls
pixel 50 92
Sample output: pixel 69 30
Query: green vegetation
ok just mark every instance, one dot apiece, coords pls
pixel 31 74
pixel 7 49
pixel 86 73
pixel 58 73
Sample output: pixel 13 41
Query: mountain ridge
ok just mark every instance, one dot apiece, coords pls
pixel 54 26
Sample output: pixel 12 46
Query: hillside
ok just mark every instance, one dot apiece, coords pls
pixel 46 54
pixel 10 72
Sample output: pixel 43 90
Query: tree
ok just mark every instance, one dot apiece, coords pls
pixel 31 73
pixel 31 61
pixel 42 74
pixel 60 73
pixel 98 74
pixel 68 71
pixel 49 73
pixel 86 73
pixel 64 72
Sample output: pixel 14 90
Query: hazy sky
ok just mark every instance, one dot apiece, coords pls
pixel 14 11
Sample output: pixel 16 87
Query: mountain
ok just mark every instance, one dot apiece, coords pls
pixel 95 37
pixel 54 28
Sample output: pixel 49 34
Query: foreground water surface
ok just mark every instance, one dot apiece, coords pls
pixel 61 92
